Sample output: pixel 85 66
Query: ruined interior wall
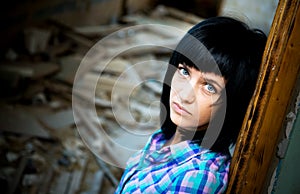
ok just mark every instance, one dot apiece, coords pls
pixel 15 15
pixel 257 13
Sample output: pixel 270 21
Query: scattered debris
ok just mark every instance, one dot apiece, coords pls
pixel 42 150
pixel 29 70
pixel 18 120
pixel 68 67
pixel 58 120
pixel 36 40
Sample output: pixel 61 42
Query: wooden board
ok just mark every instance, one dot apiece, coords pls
pixel 30 70
pixel 252 164
pixel 20 121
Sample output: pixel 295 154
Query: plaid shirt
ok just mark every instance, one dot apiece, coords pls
pixel 179 168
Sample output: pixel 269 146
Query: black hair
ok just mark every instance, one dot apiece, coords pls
pixel 237 51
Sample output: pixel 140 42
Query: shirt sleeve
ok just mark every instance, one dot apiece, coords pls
pixel 199 181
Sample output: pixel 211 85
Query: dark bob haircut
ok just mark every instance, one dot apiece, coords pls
pixel 237 52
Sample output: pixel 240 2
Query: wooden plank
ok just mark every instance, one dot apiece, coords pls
pixel 117 66
pixel 59 119
pixel 77 176
pixel 46 180
pixel 58 88
pixel 69 65
pixel 36 39
pixel 15 182
pixel 97 182
pixel 180 15
pixel 29 70
pixel 169 21
pixel 99 30
pixel 107 172
pixel 100 138
pixel 70 33
pixel 88 95
pixel 26 124
pixel 257 143
pixel 107 83
pixel 61 183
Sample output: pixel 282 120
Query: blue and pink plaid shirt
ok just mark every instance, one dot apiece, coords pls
pixel 179 168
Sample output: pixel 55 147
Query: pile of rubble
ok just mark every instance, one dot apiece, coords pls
pixel 47 146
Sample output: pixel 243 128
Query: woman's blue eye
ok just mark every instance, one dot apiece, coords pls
pixel 183 71
pixel 210 88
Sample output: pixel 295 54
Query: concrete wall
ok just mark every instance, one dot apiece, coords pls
pixel 286 176
pixel 257 13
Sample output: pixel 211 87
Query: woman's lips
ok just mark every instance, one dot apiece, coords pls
pixel 179 109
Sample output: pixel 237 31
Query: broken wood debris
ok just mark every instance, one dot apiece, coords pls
pixel 36 39
pixel 58 120
pixel 70 33
pixel 162 10
pixel 43 150
pixel 17 120
pixel 29 70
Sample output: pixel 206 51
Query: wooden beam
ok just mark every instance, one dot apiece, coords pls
pixel 263 124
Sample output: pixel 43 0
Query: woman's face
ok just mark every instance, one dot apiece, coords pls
pixel 194 97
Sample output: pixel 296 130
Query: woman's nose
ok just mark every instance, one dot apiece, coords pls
pixel 187 93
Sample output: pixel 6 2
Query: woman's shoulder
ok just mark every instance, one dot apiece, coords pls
pixel 207 173
pixel 207 160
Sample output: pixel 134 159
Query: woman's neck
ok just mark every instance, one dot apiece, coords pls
pixel 179 136
pixel 183 135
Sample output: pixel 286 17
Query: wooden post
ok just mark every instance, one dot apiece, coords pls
pixel 256 147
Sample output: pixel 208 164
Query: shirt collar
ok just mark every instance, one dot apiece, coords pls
pixel 180 152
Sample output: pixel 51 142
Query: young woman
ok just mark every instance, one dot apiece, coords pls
pixel 207 88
